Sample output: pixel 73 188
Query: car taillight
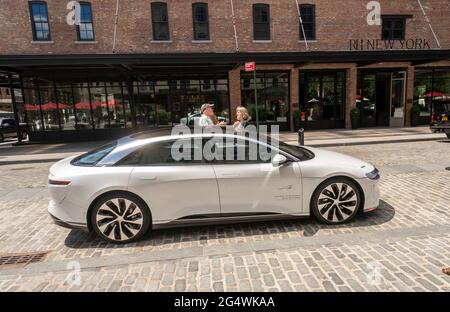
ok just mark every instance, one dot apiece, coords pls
pixel 58 182
pixel 433 117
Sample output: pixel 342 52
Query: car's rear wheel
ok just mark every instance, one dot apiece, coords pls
pixel 120 217
pixel 336 201
pixel 24 135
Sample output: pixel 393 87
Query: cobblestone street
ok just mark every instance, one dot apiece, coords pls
pixel 402 246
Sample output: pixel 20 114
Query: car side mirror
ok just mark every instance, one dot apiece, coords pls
pixel 278 160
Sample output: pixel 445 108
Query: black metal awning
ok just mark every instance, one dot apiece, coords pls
pixel 159 63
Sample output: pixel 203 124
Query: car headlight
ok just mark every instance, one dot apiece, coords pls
pixel 374 174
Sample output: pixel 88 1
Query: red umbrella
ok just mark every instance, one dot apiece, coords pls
pixel 30 107
pixel 49 106
pixel 64 106
pixel 96 104
pixel 435 93
pixel 83 105
pixel 112 102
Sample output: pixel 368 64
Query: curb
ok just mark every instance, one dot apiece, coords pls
pixel 378 142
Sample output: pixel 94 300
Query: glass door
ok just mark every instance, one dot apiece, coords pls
pixel 397 116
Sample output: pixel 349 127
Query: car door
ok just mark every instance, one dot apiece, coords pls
pixel 8 128
pixel 249 186
pixel 174 189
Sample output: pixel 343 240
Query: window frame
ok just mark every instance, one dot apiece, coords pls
pixel 84 3
pixel 392 19
pixel 197 23
pixel 313 22
pixel 255 6
pixel 154 5
pixel 33 23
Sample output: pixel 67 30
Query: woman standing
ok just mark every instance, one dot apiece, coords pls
pixel 243 118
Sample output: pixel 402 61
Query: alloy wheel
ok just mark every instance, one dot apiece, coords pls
pixel 119 219
pixel 337 202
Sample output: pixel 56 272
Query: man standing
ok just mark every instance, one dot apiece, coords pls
pixel 206 120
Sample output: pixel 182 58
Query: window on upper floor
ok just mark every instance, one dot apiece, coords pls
pixel 393 27
pixel 160 21
pixel 261 21
pixel 200 20
pixel 86 28
pixel 39 21
pixel 308 21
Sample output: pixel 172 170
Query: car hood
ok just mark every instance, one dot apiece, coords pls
pixel 328 162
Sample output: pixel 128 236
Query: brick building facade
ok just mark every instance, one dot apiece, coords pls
pixel 156 62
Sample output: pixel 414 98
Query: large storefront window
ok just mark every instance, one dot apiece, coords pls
pixel 99 105
pixel 66 106
pixel 102 106
pixel 82 106
pixel 48 106
pixel 322 98
pixel 431 92
pixel 273 97
pixel 32 109
pixel 118 106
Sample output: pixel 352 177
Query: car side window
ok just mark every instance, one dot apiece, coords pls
pixel 167 153
pixel 241 151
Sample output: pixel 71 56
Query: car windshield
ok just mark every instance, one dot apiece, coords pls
pixel 93 157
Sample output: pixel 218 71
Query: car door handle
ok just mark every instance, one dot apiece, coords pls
pixel 230 175
pixel 150 178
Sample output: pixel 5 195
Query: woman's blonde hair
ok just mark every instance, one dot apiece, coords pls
pixel 244 112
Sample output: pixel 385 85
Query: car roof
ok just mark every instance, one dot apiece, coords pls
pixel 162 134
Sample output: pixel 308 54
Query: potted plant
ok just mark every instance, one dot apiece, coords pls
pixel 296 116
pixel 355 117
pixel 415 113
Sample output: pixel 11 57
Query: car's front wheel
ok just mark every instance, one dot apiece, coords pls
pixel 336 201
pixel 120 217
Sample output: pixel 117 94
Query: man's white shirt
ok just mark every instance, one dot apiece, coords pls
pixel 205 121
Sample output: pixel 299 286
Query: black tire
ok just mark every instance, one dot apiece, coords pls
pixel 24 134
pixel 1 138
pixel 109 219
pixel 338 206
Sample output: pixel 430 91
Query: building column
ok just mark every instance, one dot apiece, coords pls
pixel 409 94
pixel 294 98
pixel 234 85
pixel 350 93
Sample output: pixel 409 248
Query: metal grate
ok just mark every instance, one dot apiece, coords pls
pixel 22 259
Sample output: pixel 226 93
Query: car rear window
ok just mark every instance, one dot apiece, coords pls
pixel 297 151
pixel 93 157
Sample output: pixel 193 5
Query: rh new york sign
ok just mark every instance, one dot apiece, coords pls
pixel 379 44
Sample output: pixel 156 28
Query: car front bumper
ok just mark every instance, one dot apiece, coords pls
pixel 371 192
pixel 60 218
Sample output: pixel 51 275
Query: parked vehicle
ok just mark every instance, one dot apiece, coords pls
pixel 8 129
pixel 440 120
pixel 125 188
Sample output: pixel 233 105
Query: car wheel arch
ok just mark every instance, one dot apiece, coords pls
pixel 353 180
pixel 100 196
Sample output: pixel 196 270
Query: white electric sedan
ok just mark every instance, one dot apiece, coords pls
pixel 137 183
